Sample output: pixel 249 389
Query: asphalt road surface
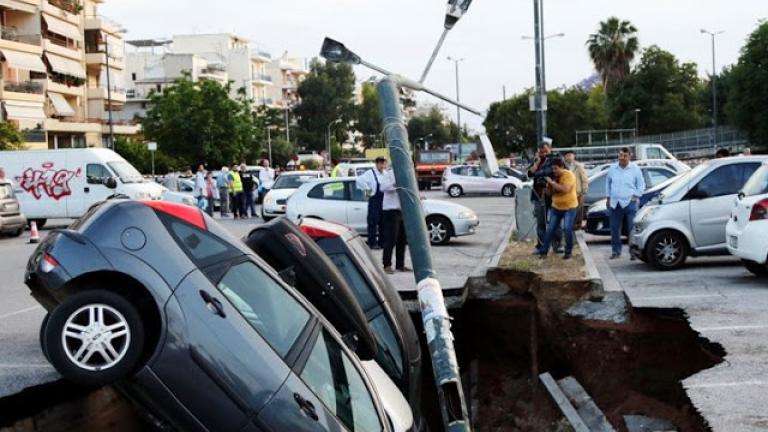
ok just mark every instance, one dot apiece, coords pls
pixel 727 305
pixel 22 363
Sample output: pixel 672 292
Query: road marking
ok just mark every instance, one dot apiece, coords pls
pixel 24 366
pixel 728 328
pixel 695 296
pixel 19 312
pixel 727 384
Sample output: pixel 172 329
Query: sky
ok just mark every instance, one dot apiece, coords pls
pixel 399 35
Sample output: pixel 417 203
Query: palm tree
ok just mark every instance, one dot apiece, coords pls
pixel 612 49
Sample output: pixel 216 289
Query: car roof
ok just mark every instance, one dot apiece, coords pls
pixel 295 173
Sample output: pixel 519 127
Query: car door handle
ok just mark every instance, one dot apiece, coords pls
pixel 213 304
pixel 87 190
pixel 306 407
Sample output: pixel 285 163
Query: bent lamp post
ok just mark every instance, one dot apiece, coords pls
pixel 456 9
pixel 434 313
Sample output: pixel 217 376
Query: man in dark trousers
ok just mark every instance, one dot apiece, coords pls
pixel 392 225
pixel 542 202
pixel 249 186
pixel 370 183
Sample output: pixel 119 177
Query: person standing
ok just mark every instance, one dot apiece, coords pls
pixel 370 182
pixel 542 202
pixel 336 171
pixel 171 180
pixel 249 187
pixel 564 205
pixel 582 185
pixel 236 189
pixel 393 229
pixel 211 193
pixel 266 178
pixel 222 184
pixel 198 190
pixel 624 187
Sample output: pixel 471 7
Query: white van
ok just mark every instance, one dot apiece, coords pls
pixel 53 184
pixel 599 154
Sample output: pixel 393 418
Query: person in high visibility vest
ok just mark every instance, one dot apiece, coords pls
pixel 236 189
pixel 336 171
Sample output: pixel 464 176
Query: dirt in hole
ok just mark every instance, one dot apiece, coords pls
pixel 633 368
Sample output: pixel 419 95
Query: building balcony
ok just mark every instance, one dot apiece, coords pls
pixel 121 127
pixel 23 91
pixel 102 23
pixel 73 125
pixel 96 58
pixel 69 87
pixel 68 10
pixel 117 96
pixel 262 79
pixel 60 47
pixel 12 39
pixel 34 136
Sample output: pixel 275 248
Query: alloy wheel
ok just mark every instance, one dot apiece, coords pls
pixel 96 337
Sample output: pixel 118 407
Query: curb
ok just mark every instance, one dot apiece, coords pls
pixel 596 281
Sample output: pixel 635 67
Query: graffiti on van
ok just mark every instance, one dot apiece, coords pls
pixel 47 181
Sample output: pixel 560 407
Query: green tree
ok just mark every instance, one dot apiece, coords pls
pixel 368 116
pixel 10 137
pixel 432 123
pixel 723 83
pixel 197 122
pixel 612 49
pixel 666 92
pixel 282 151
pixel 326 95
pixel 137 154
pixel 746 106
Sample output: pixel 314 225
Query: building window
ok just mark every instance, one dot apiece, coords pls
pixel 143 105
pixel 159 88
pixel 133 76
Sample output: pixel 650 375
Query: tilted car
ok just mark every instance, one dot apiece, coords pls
pixel 284 186
pixel 470 179
pixel 157 296
pixel 689 217
pixel 12 221
pixel 339 200
pixel 747 229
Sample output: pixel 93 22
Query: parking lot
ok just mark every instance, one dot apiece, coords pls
pixel 727 305
pixel 23 364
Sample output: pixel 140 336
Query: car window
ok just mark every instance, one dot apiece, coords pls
pixel 656 176
pixel 597 187
pixel 201 246
pixel 757 184
pixel 96 173
pixel 389 355
pixel 362 291
pixel 185 187
pixel 653 153
pixel 332 377
pixel 265 304
pixel 457 170
pixel 355 193
pixel 293 181
pixel 328 191
pixel 725 180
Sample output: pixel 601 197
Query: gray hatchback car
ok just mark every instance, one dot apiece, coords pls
pixel 12 221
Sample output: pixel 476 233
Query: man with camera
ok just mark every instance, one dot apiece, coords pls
pixel 542 200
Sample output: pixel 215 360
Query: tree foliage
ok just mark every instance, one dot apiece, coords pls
pixel 198 122
pixel 612 49
pixel 433 123
pixel 368 116
pixel 10 137
pixel 746 105
pixel 137 154
pixel 326 95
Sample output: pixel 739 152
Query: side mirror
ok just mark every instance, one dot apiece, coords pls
pixel 110 182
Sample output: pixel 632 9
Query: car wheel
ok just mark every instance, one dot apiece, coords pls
pixel 264 217
pixel 455 191
pixel 18 232
pixel 94 338
pixel 439 229
pixel 756 268
pixel 667 250
pixel 508 191
pixel 42 335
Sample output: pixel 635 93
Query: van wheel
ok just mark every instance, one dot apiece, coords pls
pixel 94 338
pixel 755 268
pixel 667 250
pixel 40 222
pixel 508 191
pixel 455 191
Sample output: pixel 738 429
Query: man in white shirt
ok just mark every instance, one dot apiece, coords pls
pixel 199 186
pixel 266 178
pixel 393 230
pixel 370 183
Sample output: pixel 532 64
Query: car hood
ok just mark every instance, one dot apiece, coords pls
pixel 393 401
pixel 277 194
pixel 598 207
pixel 443 207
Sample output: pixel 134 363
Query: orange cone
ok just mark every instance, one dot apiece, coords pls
pixel 34 235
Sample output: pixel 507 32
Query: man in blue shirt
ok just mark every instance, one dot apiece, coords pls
pixel 624 187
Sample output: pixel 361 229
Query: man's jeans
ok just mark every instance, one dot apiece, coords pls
pixel 619 216
pixel 566 217
pixel 540 209
pixel 224 200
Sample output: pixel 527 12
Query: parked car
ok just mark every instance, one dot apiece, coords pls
pixel 747 229
pixel 283 187
pixel 673 164
pixel 689 217
pixel 159 297
pixel 356 168
pixel 593 154
pixel 511 172
pixel 599 218
pixel 653 174
pixel 66 183
pixel 303 256
pixel 12 221
pixel 340 201
pixel 470 179
pixel 187 187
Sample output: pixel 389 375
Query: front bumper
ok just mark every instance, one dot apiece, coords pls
pixel 273 209
pixel 465 227
pixel 637 245
pixel 12 223
pixel 598 224
pixel 749 243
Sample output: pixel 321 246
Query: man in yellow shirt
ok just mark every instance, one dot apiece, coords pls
pixel 565 202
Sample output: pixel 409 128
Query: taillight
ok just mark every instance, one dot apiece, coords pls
pixel 759 211
pixel 48 263
pixel 190 215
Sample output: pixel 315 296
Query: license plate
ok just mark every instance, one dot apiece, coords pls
pixel 733 242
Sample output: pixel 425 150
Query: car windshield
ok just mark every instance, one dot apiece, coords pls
pixel 292 181
pixel 126 172
pixel 663 185
pixel 757 184
pixel 681 181
pixel 6 191
pixel 362 170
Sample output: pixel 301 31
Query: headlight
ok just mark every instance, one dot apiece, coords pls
pixel 268 200
pixel 467 214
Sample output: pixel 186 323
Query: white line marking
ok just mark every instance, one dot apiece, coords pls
pixel 696 296
pixel 19 312
pixel 24 366
pixel 728 328
pixel 727 384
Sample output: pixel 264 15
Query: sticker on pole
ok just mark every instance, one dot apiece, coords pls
pixel 431 302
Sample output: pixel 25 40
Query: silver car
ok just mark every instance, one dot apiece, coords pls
pixel 470 179
pixel 12 221
pixel 689 217
pixel 339 200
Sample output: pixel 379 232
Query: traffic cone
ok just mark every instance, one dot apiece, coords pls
pixel 34 235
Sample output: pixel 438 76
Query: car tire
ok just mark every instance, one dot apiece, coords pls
pixel 43 324
pixel 439 229
pixel 455 191
pixel 264 217
pixel 667 250
pixel 508 191
pixel 94 315
pixel 756 268
pixel 18 232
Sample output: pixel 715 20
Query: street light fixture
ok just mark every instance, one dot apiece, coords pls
pixel 714 85
pixel 456 9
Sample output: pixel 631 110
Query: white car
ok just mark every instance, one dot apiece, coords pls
pixel 747 229
pixel 470 179
pixel 283 187
pixel 339 200
pixel 355 169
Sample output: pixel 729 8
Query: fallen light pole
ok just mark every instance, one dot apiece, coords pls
pixel 434 313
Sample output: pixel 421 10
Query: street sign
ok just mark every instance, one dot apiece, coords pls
pixel 532 103
pixel 152 146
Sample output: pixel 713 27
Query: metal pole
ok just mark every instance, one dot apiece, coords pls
pixel 287 127
pixel 714 94
pixel 637 124
pixel 504 92
pixel 109 96
pixel 537 49
pixel 432 304
pixel 269 143
pixel 543 69
pixel 434 55
pixel 152 153
pixel 458 109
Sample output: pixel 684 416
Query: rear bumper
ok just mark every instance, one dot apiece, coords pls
pixel 12 223
pixel 748 244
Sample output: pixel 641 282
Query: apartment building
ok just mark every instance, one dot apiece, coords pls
pixel 287 73
pixel 61 63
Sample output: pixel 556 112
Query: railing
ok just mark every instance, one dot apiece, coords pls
pixel 11 33
pixel 71 6
pixel 31 87
pixel 115 53
pixel 262 77
pixel 34 135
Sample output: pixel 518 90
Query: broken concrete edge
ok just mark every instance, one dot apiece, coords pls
pixel 598 289
pixel 565 405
